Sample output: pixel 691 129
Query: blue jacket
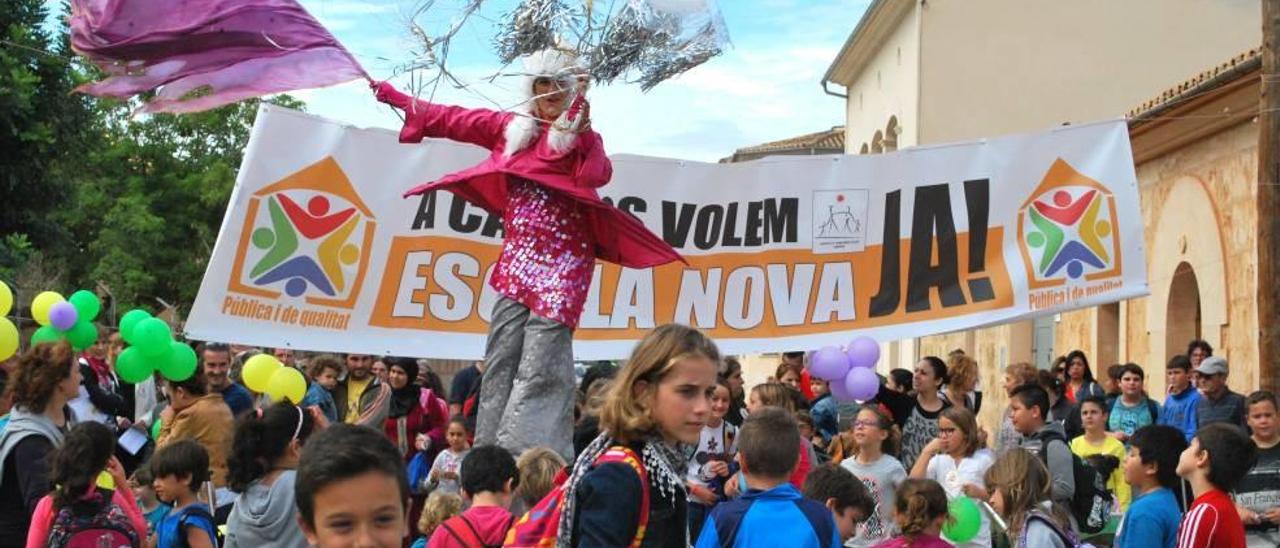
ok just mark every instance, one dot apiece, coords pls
pixel 1180 412
pixel 320 397
pixel 826 416
pixel 777 517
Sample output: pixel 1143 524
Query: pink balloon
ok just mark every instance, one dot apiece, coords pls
pixel 829 364
pixel 862 383
pixel 864 352
pixel 63 315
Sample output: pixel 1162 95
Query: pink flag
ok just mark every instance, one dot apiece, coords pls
pixel 201 54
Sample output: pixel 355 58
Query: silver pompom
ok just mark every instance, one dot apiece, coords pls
pixel 534 25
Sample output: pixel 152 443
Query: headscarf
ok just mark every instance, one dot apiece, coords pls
pixel 404 399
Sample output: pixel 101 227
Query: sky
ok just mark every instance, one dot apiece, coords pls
pixel 765 87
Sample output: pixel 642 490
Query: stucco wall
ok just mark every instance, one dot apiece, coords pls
pixel 887 87
pixel 990 67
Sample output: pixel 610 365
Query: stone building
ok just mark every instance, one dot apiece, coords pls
pixel 1196 151
pixel 919 72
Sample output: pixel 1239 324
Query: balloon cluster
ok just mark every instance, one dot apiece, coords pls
pixel 152 348
pixel 8 331
pixel 265 374
pixel 851 370
pixel 965 520
pixel 61 318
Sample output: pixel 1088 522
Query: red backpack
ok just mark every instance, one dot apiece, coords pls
pixel 463 531
pixel 538 527
pixel 109 525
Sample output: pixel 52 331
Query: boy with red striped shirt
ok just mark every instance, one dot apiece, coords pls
pixel 1219 456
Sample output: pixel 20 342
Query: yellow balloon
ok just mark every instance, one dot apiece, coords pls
pixel 287 383
pixel 8 339
pixel 258 370
pixel 42 303
pixel 6 299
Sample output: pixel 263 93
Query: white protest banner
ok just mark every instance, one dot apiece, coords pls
pixel 319 251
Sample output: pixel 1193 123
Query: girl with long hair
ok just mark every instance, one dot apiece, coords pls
pixel 732 373
pixel 654 411
pixel 47 377
pixel 82 495
pixel 1080 383
pixel 917 414
pixel 1020 487
pixel 264 457
pixel 957 461
pixel 876 439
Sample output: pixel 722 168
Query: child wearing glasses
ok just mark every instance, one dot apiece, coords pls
pixel 956 459
pixel 874 462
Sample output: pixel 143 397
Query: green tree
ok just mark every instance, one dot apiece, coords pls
pixel 94 193
pixel 150 198
pixel 41 122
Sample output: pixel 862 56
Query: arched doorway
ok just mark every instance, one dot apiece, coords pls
pixel 1182 319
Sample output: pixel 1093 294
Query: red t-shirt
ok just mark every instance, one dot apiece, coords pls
pixel 1211 522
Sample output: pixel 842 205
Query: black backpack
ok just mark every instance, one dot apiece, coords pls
pixel 1091 503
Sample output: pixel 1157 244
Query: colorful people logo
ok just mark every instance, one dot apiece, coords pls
pixel 282 262
pixel 1068 228
pixel 318 252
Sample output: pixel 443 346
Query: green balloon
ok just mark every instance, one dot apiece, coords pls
pixel 132 366
pixel 129 321
pixel 46 334
pixel 153 337
pixel 155 429
pixel 965 521
pixel 82 335
pixel 180 364
pixel 86 303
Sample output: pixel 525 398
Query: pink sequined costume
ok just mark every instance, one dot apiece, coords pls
pixel 543 181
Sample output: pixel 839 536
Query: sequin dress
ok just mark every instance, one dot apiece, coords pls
pixel 547 255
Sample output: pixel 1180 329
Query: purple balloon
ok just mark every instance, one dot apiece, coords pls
pixel 862 383
pixel 63 315
pixel 864 352
pixel 838 391
pixel 829 364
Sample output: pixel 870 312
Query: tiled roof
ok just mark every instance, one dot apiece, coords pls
pixel 822 142
pixel 1241 64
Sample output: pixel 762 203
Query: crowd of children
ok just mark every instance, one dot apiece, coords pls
pixel 676 454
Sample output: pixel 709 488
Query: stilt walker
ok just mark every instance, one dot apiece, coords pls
pixel 542 176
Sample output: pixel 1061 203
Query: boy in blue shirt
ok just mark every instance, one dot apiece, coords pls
pixel 1150 467
pixel 771 512
pixel 1179 409
pixel 179 469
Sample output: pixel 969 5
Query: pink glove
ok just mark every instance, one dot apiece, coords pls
pixel 386 93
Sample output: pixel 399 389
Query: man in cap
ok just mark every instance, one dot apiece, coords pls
pixel 1218 403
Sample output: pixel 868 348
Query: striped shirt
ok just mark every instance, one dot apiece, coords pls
pixel 1211 522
